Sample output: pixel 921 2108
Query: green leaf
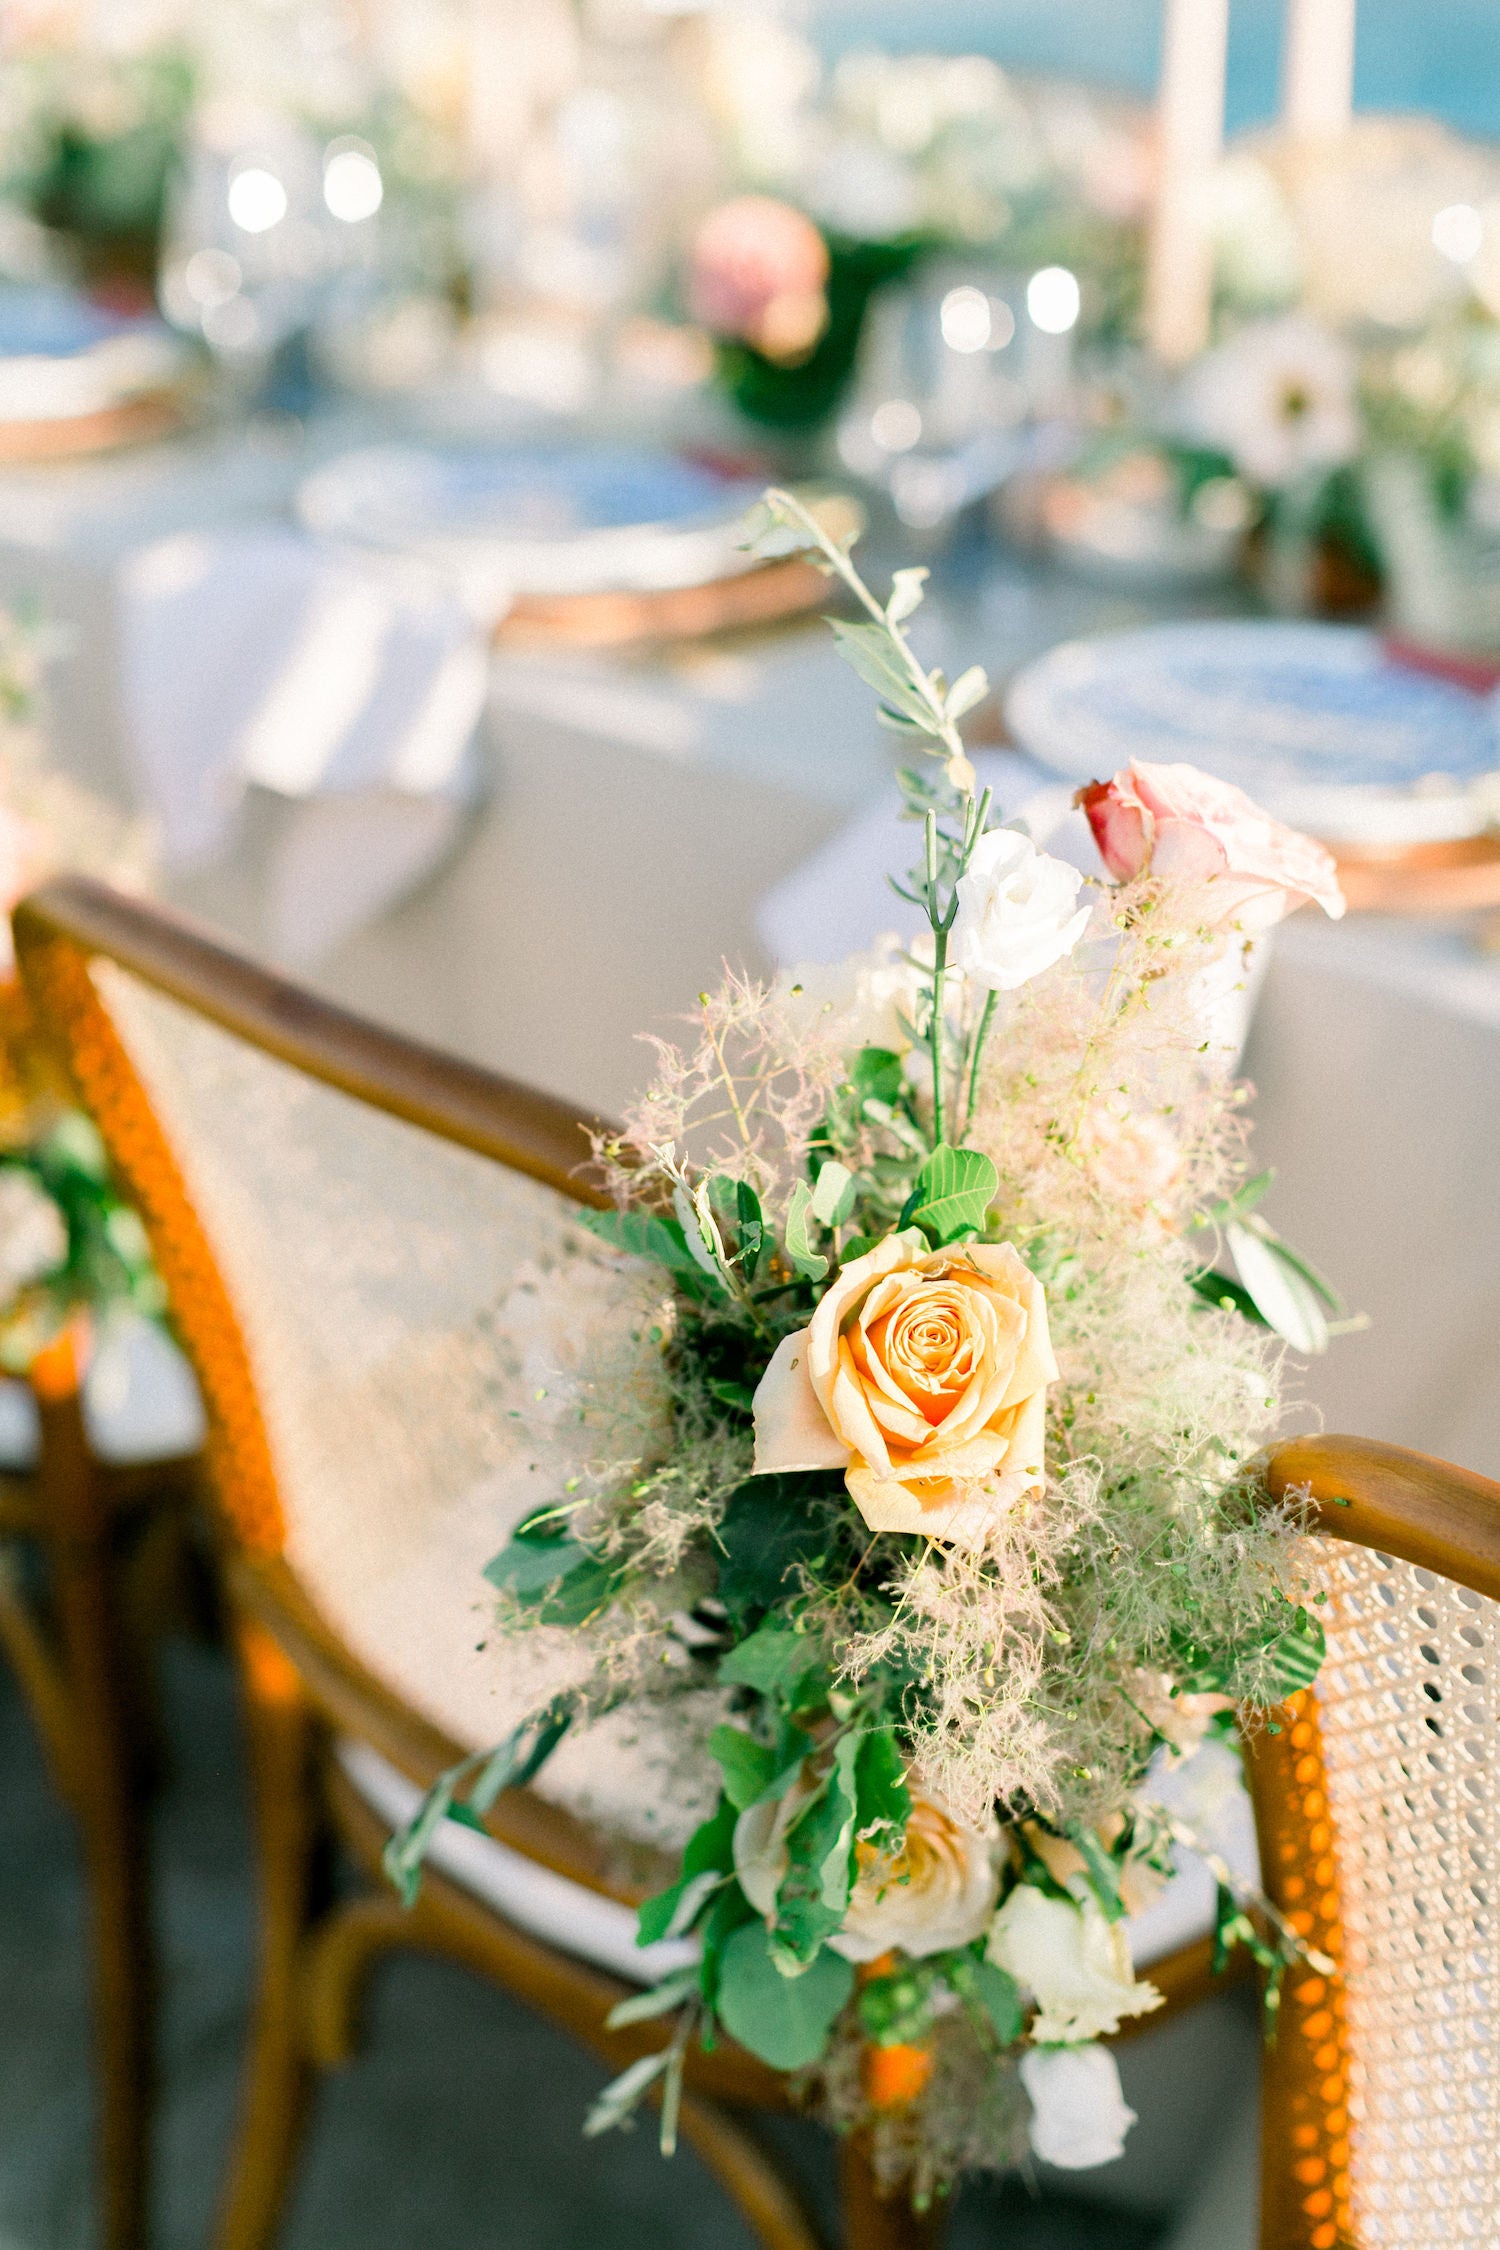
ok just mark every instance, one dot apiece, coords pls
pixel 736 1202
pixel 1222 1290
pixel 772 1660
pixel 794 1234
pixel 642 1235
pixel 1104 1876
pixel 659 2001
pixel 906 593
pixel 785 2020
pixel 589 1587
pixel 876 1074
pixel 709 1851
pixel 868 650
pixel 700 1231
pixel 1243 1201
pixel 1000 1997
pixel 730 1911
pixel 883 1799
pixel 527 1566
pixel 522 1755
pixel 406 1851
pixel 953 1194
pixel 622 2094
pixel 748 1766
pixel 833 1194
pixel 1285 1299
pixel 814 1893
pixel 969 688
pixel 769 1526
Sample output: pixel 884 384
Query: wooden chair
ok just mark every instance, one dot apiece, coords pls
pixel 338 1213
pixel 1379 1815
pixel 99 1462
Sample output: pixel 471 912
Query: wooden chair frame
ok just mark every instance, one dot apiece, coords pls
pixel 111 1537
pixel 301 1683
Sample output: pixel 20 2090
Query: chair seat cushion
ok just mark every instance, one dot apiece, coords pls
pixel 140 1402
pixel 1206 1791
pixel 562 1913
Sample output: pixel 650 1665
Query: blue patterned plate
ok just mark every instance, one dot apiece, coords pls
pixel 538 519
pixel 1312 721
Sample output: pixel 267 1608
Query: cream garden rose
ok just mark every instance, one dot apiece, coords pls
pixel 1075 1963
pixel 922 1375
pixel 937 1892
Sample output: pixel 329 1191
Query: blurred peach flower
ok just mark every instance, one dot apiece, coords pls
pixel 757 272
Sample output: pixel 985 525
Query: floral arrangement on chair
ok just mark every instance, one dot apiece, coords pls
pixel 946 1479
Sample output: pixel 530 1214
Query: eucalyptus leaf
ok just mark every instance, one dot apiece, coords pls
pixel 869 651
pixel 1283 1296
pixel 785 2020
pixel 794 1234
pixel 709 1853
pixel 642 1235
pixel 969 688
pixel 833 1194
pixel 907 593
pixel 659 2001
pixel 624 2093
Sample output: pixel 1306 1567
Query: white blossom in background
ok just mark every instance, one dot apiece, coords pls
pixel 1079 2116
pixel 1278 398
pixel 1018 911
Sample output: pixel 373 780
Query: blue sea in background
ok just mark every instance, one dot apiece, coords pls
pixel 1438 55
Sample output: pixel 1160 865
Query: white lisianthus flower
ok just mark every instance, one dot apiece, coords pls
pixel 1278 398
pixel 1075 1963
pixel 1079 2116
pixel 934 1894
pixel 1018 911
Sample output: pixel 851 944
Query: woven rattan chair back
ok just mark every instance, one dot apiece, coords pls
pixel 1379 1814
pixel 341 1221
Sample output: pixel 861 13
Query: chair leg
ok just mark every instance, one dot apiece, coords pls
pixel 102 1769
pixel 873 2221
pixel 748 2176
pixel 278 2084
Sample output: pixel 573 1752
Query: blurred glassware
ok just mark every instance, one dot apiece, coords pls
pixel 961 366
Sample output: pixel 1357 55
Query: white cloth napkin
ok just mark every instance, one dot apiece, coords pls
pixel 347 685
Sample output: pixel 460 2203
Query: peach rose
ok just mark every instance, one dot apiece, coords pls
pixel 1182 825
pixel 937 1892
pixel 923 1376
pixel 757 271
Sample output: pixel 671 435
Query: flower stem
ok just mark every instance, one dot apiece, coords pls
pixel 976 1054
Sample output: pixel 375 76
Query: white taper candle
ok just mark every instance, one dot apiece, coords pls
pixel 1190 137
pixel 1317 89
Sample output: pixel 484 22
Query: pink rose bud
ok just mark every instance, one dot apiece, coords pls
pixel 1182 826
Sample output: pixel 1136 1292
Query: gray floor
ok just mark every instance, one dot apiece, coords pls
pixel 456 2129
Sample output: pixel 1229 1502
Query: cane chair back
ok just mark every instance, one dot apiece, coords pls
pixel 374 1262
pixel 1379 1808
